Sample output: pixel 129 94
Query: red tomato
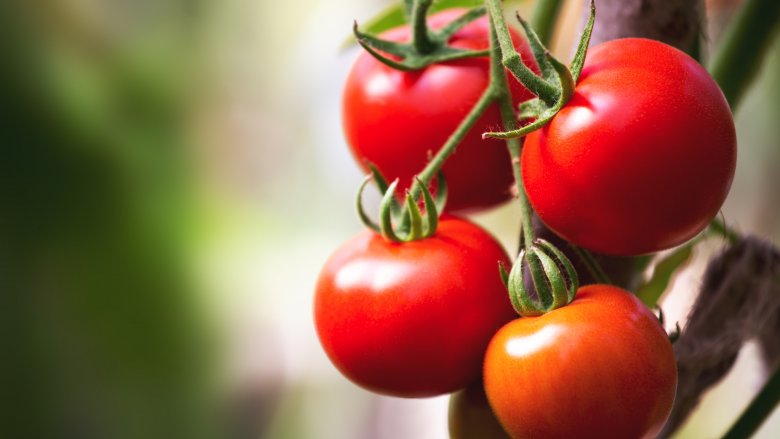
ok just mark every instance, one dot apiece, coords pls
pixel 397 120
pixel 601 367
pixel 412 319
pixel 640 159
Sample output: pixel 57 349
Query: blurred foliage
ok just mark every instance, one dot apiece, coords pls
pixel 102 335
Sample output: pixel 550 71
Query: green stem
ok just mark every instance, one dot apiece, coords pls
pixel 500 90
pixel 512 60
pixel 543 20
pixel 420 38
pixel 758 410
pixel 741 51
pixel 718 226
pixel 434 166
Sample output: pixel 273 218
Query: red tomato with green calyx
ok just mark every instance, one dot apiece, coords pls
pixel 642 156
pixel 412 319
pixel 397 120
pixel 601 367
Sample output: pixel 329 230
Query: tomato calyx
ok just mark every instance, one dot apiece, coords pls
pixel 403 223
pixel 674 335
pixel 555 86
pixel 554 279
pixel 427 46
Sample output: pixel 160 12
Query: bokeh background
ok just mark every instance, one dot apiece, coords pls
pixel 173 176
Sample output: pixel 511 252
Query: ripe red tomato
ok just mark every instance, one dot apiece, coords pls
pixel 412 319
pixel 601 367
pixel 397 120
pixel 640 159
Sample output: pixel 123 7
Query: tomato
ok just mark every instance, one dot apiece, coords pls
pixel 640 159
pixel 397 119
pixel 412 319
pixel 601 367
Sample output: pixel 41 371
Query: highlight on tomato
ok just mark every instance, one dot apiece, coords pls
pixel 412 319
pixel 642 156
pixel 601 367
pixel 397 119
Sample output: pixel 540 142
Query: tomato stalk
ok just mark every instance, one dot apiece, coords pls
pixel 434 165
pixel 512 61
pixel 556 85
pixel 421 41
pixel 554 278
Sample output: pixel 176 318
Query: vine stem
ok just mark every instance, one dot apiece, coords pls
pixel 511 59
pixel 500 90
pixel 420 38
pixel 434 165
pixel 758 410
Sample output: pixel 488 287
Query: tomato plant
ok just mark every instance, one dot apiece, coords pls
pixel 642 156
pixel 412 319
pixel 397 119
pixel 600 367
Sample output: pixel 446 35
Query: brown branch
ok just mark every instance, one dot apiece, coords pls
pixel 739 299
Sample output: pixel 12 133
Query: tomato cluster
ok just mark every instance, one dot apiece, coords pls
pixel 638 160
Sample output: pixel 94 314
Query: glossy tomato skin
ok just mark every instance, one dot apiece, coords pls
pixel 640 159
pixel 601 367
pixel 397 120
pixel 412 319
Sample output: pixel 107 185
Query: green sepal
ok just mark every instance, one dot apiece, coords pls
pixel 415 219
pixel 431 212
pixel 503 274
pixel 427 47
pixel 572 280
pixel 555 74
pixel 364 218
pixel 553 275
pixel 385 213
pixel 381 184
pixel 444 34
pixel 582 48
pixel 412 223
pixel 537 48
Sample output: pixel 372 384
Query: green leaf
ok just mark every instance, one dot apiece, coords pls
pixel 651 291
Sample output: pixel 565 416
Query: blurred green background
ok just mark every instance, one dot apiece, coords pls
pixel 174 175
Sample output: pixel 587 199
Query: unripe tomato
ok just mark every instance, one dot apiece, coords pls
pixel 397 120
pixel 412 319
pixel 601 367
pixel 642 156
